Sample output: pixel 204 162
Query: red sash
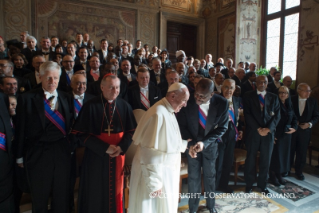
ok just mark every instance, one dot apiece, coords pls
pixel 115 139
pixel 146 103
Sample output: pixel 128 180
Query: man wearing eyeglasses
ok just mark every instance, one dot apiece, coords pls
pixel 67 73
pixel 306 110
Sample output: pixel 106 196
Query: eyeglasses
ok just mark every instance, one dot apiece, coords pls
pixel 201 96
pixel 68 61
pixel 4 65
pixel 306 90
pixel 281 93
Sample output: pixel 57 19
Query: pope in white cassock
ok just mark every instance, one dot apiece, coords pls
pixel 154 183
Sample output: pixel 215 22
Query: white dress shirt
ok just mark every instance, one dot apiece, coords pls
pixel 104 54
pixel 302 105
pixel 70 73
pixel 37 77
pixel 80 98
pixel 128 76
pixel 219 88
pixel 263 94
pixel 205 107
pixel 144 91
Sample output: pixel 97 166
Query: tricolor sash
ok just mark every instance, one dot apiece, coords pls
pixel 3 141
pixel 77 106
pixel 232 118
pixel 261 101
pixel 68 79
pixel 146 103
pixel 202 117
pixel 94 75
pixel 55 117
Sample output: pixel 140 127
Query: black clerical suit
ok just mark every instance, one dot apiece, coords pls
pixel 256 118
pixel 45 149
pixel 226 148
pixel 301 138
pixel 216 126
pixel 134 96
pixel 6 158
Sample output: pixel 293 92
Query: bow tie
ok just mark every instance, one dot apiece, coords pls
pixel 144 89
pixel 78 97
pixel 49 95
pixel 45 53
pixel 302 99
pixel 95 72
pixel 69 72
pixel 83 62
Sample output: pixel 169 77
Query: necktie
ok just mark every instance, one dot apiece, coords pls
pixel 202 117
pixel 78 97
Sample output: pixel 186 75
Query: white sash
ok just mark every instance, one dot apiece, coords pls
pixel 145 101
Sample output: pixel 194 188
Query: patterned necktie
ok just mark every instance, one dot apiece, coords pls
pixel 261 101
pixel 202 117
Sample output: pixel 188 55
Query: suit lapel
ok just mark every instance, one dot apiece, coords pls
pixel 38 100
pixel 64 108
pixel 5 117
pixel 194 118
pixel 151 94
pixel 235 106
pixel 211 115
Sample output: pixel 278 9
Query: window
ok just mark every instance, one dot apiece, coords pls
pixel 281 23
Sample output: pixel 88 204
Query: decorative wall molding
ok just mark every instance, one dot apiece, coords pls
pixel 148 26
pixel 17 18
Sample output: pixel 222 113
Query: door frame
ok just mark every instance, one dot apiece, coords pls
pixel 198 22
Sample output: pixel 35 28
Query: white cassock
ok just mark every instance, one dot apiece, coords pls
pixel 157 161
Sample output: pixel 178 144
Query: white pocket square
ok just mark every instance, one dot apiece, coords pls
pixel 156 97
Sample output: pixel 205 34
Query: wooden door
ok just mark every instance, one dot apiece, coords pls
pixel 181 37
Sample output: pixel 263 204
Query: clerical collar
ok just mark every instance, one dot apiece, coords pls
pixel 107 101
pixel 301 99
pixel 49 94
pixel 168 105
pixel 263 93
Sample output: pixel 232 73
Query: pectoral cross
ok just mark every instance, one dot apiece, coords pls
pixel 108 129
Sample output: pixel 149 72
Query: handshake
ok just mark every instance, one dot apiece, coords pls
pixel 114 151
pixel 193 150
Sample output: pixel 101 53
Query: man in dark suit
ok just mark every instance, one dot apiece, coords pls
pixel 28 52
pixel 45 49
pixel 171 78
pixel 71 50
pixel 239 76
pixel 226 148
pixel 34 77
pixel 45 117
pixel 7 160
pixel 143 95
pixel 306 110
pixel 275 84
pixel 180 69
pixel 79 97
pixel 156 76
pixel 125 55
pixel 67 73
pixel 125 75
pixel 287 81
pixel 79 41
pixel 250 84
pixel 262 114
pixel 82 60
pixel 204 120
pixel 137 47
pixel 271 74
pixel 103 51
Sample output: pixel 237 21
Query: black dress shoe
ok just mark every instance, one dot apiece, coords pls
pixel 285 174
pixel 248 190
pixel 226 190
pixel 300 176
pixel 265 191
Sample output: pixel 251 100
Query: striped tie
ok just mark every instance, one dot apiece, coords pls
pixel 261 101
pixel 202 117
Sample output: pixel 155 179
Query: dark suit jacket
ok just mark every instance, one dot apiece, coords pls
pixel 78 65
pixel 288 117
pixel 153 77
pixel 125 81
pixel 246 87
pixel 271 87
pixel 102 60
pixel 311 112
pixel 31 116
pixel 216 123
pixel 63 83
pixel 270 79
pixel 203 72
pixel 87 97
pixel 6 158
pixel 237 81
pixel 163 87
pixel 253 113
pixel 32 80
pixel 39 52
pixel 134 98
pixel 28 55
pixel 225 73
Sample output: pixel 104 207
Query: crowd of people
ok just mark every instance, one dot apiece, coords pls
pixel 61 95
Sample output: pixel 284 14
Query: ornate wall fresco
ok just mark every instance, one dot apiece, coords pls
pixel 67 19
pixel 248 31
pixel 308 55
pixel 226 36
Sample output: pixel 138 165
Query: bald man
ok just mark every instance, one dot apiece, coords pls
pixel 262 114
pixel 306 110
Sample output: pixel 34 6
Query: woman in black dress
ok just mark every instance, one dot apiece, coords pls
pixel 286 126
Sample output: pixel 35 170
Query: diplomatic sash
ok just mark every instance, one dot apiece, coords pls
pixel 77 106
pixel 261 101
pixel 3 141
pixel 94 75
pixel 55 117
pixel 232 118
pixel 202 117
pixel 146 103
